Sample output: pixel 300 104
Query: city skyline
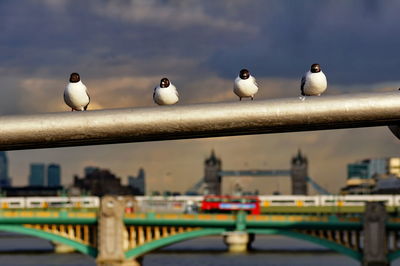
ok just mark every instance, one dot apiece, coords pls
pixel 123 51
pixel 274 184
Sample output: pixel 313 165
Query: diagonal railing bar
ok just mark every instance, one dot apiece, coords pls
pixel 198 121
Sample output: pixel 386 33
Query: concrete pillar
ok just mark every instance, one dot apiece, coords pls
pixel 111 234
pixel 237 241
pixel 375 240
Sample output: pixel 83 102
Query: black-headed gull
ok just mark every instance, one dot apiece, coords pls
pixel 245 85
pixel 166 93
pixel 75 94
pixel 313 83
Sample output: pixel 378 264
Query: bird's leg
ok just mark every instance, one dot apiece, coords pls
pixel 252 98
pixel 240 98
pixel 72 109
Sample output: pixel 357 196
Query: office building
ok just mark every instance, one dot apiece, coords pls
pixel 138 182
pixel 90 169
pixel 100 182
pixel 53 175
pixel 372 175
pixel 4 178
pixel 37 175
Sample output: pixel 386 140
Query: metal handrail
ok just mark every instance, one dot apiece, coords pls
pixel 198 121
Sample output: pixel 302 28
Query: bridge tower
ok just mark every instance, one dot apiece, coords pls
pixel 299 174
pixel 212 179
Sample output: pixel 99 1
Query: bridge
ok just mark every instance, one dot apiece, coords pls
pixel 213 175
pixel 115 236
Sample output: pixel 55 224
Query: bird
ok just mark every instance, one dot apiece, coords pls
pixel 75 94
pixel 245 85
pixel 166 93
pixel 313 83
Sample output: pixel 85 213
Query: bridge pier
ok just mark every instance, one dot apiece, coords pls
pixel 375 243
pixel 111 232
pixel 238 241
pixel 120 263
pixel 61 248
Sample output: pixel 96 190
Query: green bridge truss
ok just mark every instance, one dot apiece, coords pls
pixel 69 228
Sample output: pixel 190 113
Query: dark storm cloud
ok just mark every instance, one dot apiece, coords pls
pixel 355 42
pixel 41 36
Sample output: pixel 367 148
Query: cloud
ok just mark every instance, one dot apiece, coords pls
pixel 174 15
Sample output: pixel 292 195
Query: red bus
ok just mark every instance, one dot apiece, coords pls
pixel 228 204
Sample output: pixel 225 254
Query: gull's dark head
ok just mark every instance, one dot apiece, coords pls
pixel 244 74
pixel 164 83
pixel 315 68
pixel 74 78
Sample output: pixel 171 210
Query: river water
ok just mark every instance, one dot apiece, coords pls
pixel 207 251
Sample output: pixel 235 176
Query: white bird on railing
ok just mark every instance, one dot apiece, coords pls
pixel 75 94
pixel 313 83
pixel 245 85
pixel 166 93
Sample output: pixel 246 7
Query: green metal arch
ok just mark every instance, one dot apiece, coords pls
pixel 141 250
pixel 323 242
pixel 85 249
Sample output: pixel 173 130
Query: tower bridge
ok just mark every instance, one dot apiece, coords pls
pixel 115 236
pixel 298 173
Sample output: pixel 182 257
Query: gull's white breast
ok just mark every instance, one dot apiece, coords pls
pixel 166 96
pixel 75 95
pixel 315 84
pixel 245 87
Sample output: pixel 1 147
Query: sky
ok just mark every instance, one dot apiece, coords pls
pixel 123 48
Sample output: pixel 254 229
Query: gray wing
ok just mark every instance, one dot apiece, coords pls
pixel 84 108
pixel 303 81
pixel 65 98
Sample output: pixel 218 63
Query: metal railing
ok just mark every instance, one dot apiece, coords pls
pixel 198 121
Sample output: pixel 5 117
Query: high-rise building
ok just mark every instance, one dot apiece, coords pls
pixel 370 174
pixel 53 175
pixel 36 176
pixel 4 179
pixel 138 182
pixel 369 170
